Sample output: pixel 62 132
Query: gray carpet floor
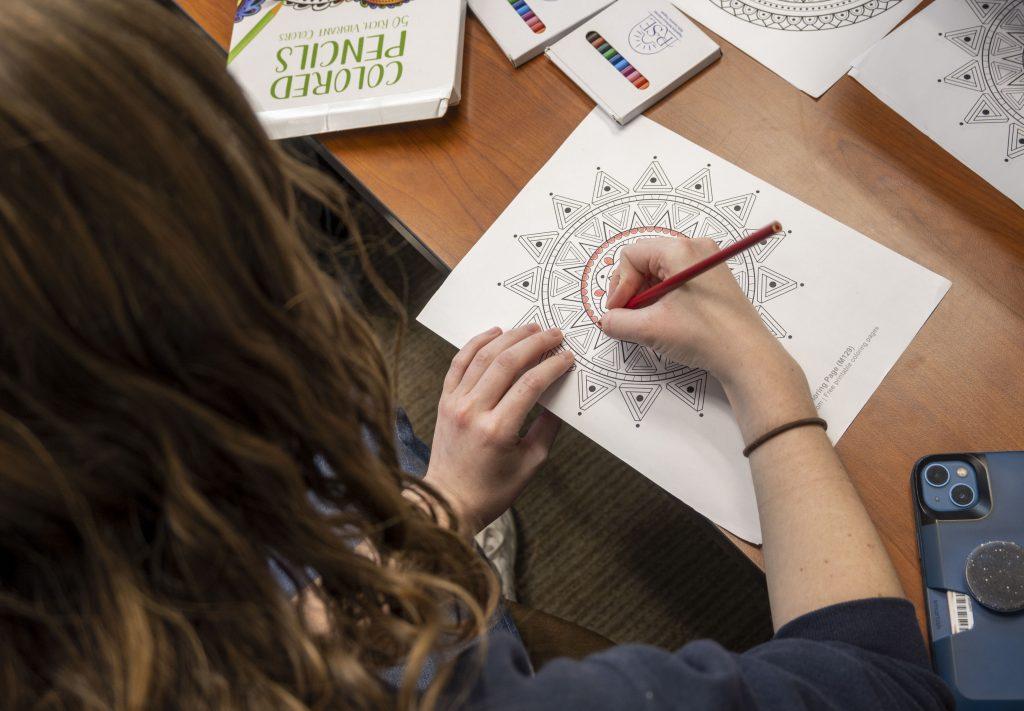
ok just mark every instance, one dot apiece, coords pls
pixel 600 545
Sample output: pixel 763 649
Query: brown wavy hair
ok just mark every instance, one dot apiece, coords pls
pixel 173 364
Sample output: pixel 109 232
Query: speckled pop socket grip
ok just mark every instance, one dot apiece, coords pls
pixel 995 575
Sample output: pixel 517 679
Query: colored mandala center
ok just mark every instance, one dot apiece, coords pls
pixel 598 272
pixel 573 263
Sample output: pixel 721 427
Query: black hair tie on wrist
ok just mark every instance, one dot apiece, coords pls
pixel 771 434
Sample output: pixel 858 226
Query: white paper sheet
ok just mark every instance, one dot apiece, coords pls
pixel 843 305
pixel 956 71
pixel 809 43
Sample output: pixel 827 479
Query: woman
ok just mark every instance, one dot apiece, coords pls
pixel 191 413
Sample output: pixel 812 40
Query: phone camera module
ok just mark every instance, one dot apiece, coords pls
pixel 937 475
pixel 962 495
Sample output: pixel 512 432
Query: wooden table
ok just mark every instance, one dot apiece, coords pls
pixel 960 385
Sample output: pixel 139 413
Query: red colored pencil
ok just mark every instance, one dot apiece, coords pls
pixel 676 280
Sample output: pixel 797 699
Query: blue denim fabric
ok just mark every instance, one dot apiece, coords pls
pixel 413 453
pixel 413 456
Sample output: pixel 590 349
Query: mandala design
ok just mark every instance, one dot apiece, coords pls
pixel 314 4
pixel 251 7
pixel 573 263
pixel 805 15
pixel 246 8
pixel 324 4
pixel 995 69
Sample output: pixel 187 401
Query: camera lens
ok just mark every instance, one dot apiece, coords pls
pixel 936 475
pixel 962 495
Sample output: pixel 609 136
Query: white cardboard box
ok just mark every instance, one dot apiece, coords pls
pixel 313 66
pixel 646 38
pixel 522 40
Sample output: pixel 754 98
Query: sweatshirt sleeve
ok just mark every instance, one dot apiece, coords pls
pixel 867 654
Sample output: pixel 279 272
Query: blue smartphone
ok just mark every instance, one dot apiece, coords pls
pixel 970 531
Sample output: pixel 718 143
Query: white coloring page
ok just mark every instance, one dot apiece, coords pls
pixel 956 71
pixel 809 43
pixel 845 306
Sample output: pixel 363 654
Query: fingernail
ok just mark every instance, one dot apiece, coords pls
pixel 569 356
pixel 493 329
pixel 554 332
pixel 533 327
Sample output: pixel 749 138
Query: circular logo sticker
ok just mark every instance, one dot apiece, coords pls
pixel 651 35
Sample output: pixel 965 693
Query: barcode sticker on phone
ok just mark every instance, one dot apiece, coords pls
pixel 961 614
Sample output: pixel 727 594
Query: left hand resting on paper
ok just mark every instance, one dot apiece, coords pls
pixel 479 462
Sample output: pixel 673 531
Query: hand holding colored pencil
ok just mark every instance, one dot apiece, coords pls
pixel 676 280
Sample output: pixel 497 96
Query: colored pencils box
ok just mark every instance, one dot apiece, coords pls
pixel 348 64
pixel 524 28
pixel 632 54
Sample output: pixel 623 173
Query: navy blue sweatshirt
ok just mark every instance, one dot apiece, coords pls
pixel 866 654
